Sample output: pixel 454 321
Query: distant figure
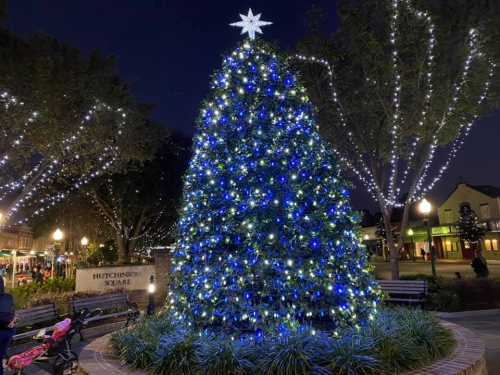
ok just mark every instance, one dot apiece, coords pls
pixel 35 275
pixel 7 322
pixel 47 274
pixel 39 275
pixel 458 275
pixel 479 266
pixel 422 253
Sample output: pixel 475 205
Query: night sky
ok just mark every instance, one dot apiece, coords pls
pixel 167 49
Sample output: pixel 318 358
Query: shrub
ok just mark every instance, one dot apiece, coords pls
pixel 398 339
pixel 35 294
pixel 217 357
pixel 176 354
pixel 290 356
pixel 353 355
pixel 137 346
pixel 460 294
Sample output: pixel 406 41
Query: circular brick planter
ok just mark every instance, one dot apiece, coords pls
pixel 466 359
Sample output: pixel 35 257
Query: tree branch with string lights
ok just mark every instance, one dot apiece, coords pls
pixel 398 88
pixel 66 120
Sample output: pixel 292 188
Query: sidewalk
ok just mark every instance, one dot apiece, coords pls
pixel 95 359
pixel 90 335
pixel 486 324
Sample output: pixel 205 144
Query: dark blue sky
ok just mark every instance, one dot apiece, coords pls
pixel 167 49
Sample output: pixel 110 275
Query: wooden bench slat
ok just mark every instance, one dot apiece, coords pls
pixel 35 316
pixel 35 313
pixel 102 297
pixel 409 291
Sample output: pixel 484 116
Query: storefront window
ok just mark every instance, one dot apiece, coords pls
pixel 450 246
pixel 491 244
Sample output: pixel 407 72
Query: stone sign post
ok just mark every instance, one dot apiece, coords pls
pixel 162 266
pixel 103 279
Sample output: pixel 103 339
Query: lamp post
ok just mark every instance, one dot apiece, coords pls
pixel 425 208
pixel 57 236
pixel 410 234
pixel 151 295
pixel 85 242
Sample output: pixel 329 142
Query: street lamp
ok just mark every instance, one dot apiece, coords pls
pixel 151 295
pixel 425 208
pixel 410 234
pixel 57 236
pixel 84 241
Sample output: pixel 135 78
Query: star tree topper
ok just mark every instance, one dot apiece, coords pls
pixel 251 24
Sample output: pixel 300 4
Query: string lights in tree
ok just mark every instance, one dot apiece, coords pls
pixel 267 238
pixel 401 161
pixel 23 191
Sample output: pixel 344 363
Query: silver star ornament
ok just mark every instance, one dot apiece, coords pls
pixel 251 24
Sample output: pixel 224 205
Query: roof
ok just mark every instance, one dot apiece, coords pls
pixel 491 191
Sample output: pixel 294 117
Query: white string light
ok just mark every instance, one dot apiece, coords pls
pixel 420 188
pixel 47 170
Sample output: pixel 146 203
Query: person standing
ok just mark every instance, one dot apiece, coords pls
pixel 7 322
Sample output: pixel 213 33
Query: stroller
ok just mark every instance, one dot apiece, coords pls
pixel 55 349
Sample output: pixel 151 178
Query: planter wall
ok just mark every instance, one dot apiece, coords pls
pixel 467 357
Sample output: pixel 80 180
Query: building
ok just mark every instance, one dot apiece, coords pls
pixel 485 201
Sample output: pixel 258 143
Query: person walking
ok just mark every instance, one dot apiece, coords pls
pixel 7 322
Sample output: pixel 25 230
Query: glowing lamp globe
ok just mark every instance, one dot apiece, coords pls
pixel 424 207
pixel 58 235
pixel 84 241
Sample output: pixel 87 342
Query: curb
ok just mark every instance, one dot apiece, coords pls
pixel 466 314
pixel 466 359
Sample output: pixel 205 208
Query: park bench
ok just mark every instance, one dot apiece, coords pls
pixel 404 291
pixel 40 317
pixel 114 305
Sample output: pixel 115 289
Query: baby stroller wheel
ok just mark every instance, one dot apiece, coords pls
pixel 66 363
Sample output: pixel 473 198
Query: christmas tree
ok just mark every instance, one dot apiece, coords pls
pixel 267 237
pixel 469 228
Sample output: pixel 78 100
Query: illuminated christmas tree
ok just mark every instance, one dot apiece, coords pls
pixel 267 237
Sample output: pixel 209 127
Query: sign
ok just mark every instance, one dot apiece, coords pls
pixel 442 231
pixel 108 278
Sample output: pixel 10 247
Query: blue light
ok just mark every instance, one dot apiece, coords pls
pixel 264 178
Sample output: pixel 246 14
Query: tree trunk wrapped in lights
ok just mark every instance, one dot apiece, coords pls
pixel 267 237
